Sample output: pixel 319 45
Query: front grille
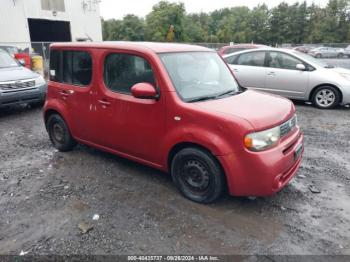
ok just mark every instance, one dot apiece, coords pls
pixel 17 84
pixel 288 126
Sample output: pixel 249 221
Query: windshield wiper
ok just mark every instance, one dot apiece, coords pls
pixel 231 92
pixel 203 98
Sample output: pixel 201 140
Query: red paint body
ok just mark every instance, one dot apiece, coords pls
pixel 145 130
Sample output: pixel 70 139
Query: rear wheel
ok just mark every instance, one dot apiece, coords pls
pixel 318 56
pixel 59 133
pixel 198 175
pixel 340 55
pixel 326 97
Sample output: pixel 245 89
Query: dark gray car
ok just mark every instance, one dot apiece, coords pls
pixel 18 84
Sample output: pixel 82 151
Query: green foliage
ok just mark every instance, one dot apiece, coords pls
pixel 163 16
pixel 131 28
pixel 285 23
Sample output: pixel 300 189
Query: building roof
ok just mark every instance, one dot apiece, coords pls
pixel 137 46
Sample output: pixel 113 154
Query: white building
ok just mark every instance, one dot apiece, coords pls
pixel 49 20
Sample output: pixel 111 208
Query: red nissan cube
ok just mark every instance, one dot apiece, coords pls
pixel 176 108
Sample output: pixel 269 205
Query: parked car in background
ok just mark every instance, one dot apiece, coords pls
pixel 304 49
pixel 347 51
pixel 327 52
pixel 292 74
pixel 18 84
pixel 174 107
pixel 238 47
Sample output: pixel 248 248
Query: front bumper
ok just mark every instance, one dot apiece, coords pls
pixel 345 95
pixel 21 96
pixel 263 173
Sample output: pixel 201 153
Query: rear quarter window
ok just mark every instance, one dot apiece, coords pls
pixel 252 59
pixel 71 67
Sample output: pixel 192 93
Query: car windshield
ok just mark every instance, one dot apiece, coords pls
pixel 319 62
pixel 6 60
pixel 199 75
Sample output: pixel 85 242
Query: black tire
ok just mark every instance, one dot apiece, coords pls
pixel 59 133
pixel 318 56
pixel 198 175
pixel 340 55
pixel 333 94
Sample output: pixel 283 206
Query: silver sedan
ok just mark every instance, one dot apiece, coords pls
pixel 291 74
pixel 327 52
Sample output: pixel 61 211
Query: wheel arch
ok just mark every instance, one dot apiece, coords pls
pixel 50 112
pixel 325 84
pixel 179 146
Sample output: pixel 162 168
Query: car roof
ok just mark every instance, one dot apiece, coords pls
pixel 257 50
pixel 137 46
pixel 243 45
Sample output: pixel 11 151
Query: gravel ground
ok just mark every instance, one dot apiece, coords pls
pixel 46 194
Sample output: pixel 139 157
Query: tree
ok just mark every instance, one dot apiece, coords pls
pixel 235 27
pixel 296 23
pixel 163 15
pixel 195 30
pixel 259 24
pixel 280 24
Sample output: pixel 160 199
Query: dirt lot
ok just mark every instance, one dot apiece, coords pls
pixel 45 194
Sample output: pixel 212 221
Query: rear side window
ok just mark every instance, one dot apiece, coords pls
pixel 123 71
pixel 71 67
pixel 55 66
pixel 252 59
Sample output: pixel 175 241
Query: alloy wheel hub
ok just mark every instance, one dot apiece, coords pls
pixel 325 97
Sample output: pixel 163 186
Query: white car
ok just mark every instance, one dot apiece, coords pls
pixel 291 74
pixel 347 51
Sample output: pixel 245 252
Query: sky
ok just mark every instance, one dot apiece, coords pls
pixel 119 8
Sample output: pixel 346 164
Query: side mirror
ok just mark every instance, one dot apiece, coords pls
pixel 21 62
pixel 301 67
pixel 144 91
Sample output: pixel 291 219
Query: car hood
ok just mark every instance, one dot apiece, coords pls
pixel 340 70
pixel 260 109
pixel 16 73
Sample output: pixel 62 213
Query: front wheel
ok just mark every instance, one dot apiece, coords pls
pixel 340 55
pixel 326 97
pixel 198 175
pixel 318 56
pixel 59 133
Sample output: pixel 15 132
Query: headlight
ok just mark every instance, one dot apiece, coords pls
pixel 346 76
pixel 262 140
pixel 39 81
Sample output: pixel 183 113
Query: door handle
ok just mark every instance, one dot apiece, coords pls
pixel 67 92
pixel 235 69
pixel 104 102
pixel 271 74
